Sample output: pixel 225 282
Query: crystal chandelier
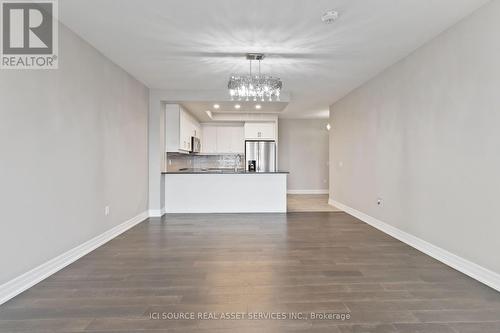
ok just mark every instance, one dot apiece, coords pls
pixel 254 86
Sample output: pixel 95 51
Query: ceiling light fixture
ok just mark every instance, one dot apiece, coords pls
pixel 330 16
pixel 258 106
pixel 254 86
pixel 216 106
pixel 237 106
pixel 328 127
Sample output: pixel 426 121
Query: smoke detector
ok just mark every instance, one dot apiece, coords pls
pixel 255 56
pixel 330 16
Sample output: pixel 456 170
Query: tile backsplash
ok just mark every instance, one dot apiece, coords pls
pixel 176 161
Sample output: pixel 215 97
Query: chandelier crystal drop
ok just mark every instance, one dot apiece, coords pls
pixel 254 87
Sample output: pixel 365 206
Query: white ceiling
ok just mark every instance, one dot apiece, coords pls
pixel 198 109
pixel 197 44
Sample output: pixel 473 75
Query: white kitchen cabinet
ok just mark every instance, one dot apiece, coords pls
pixel 209 140
pixel 185 131
pixel 260 131
pixel 180 127
pixel 237 134
pixel 223 139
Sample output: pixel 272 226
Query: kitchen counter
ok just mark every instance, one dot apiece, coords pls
pixel 206 191
pixel 221 171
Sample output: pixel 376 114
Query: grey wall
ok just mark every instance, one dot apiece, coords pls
pixel 303 150
pixel 425 137
pixel 72 141
pixel 156 154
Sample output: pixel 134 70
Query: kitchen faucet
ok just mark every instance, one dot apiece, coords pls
pixel 237 162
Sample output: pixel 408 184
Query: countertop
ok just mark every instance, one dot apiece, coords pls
pixel 221 171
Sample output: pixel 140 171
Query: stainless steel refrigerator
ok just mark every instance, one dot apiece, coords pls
pixel 263 153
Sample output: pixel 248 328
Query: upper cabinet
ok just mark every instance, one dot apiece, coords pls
pixel 180 127
pixel 209 139
pixel 230 139
pixel 260 131
pixel 223 139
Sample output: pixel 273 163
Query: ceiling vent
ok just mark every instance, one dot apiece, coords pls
pixel 330 16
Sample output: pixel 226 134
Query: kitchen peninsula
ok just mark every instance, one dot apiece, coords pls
pixel 225 191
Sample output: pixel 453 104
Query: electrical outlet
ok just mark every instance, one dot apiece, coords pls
pixel 379 202
pixel 106 210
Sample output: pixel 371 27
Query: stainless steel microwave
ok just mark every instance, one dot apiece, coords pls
pixel 195 145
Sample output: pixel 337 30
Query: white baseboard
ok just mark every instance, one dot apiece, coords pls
pixel 465 266
pixel 157 212
pixel 17 285
pixel 307 192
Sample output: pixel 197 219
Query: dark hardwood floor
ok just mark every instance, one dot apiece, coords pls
pixel 258 264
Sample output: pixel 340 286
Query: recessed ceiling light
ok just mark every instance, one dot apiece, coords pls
pixel 258 107
pixel 216 106
pixel 328 127
pixel 237 106
pixel 330 16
